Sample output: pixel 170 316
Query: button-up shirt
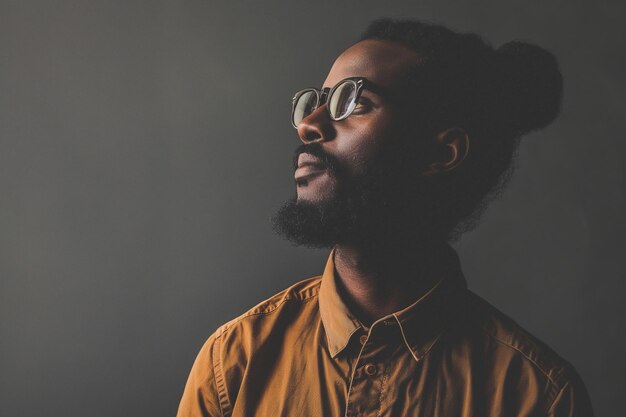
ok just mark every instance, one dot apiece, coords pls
pixel 449 354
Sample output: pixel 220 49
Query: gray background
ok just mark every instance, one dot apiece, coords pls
pixel 144 146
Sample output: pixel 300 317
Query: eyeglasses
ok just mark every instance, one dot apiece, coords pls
pixel 340 100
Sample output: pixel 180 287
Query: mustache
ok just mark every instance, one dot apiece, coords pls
pixel 315 149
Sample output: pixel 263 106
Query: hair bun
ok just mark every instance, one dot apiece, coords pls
pixel 532 85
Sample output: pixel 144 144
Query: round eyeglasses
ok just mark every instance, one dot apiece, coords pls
pixel 340 100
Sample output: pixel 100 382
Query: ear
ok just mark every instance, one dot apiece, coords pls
pixel 450 149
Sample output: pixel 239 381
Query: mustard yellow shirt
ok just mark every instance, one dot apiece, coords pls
pixel 450 354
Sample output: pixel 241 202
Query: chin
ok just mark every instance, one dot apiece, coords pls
pixel 311 221
pixel 317 188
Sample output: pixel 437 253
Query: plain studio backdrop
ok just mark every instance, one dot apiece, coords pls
pixel 144 146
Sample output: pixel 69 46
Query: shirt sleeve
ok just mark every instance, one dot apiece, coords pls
pixel 572 401
pixel 200 398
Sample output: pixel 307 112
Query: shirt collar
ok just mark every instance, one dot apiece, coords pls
pixel 420 323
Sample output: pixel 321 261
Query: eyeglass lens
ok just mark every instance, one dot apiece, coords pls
pixel 342 102
pixel 305 105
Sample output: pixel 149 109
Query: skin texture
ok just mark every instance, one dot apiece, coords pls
pixel 374 289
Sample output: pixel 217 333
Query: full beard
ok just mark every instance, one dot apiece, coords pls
pixel 386 205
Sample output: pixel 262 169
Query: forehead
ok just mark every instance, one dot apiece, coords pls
pixel 382 62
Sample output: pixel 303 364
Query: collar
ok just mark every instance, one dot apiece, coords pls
pixel 420 324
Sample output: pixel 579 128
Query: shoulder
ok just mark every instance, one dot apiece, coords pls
pixel 282 308
pixel 220 366
pixel 488 350
pixel 510 342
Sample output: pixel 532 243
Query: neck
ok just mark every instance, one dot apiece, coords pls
pixel 375 282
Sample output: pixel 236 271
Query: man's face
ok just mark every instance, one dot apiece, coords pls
pixel 351 175
pixel 355 142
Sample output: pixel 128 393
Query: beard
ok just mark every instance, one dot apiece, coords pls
pixel 387 204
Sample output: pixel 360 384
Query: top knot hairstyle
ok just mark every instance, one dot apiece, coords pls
pixel 495 95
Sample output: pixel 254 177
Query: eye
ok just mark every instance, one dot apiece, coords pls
pixel 362 105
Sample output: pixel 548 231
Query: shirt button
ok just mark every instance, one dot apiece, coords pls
pixel 370 369
pixel 363 339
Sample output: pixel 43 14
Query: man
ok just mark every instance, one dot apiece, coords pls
pixel 412 134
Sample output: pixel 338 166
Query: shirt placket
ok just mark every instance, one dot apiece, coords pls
pixel 370 371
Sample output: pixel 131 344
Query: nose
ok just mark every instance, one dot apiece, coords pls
pixel 316 127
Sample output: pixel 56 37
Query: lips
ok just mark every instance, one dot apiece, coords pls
pixel 308 166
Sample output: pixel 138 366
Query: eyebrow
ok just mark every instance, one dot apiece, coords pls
pixel 376 89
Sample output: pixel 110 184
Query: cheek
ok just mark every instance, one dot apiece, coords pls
pixel 360 144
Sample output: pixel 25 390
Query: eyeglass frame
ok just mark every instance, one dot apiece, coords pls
pixel 324 94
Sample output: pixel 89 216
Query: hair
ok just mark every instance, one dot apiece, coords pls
pixel 495 95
